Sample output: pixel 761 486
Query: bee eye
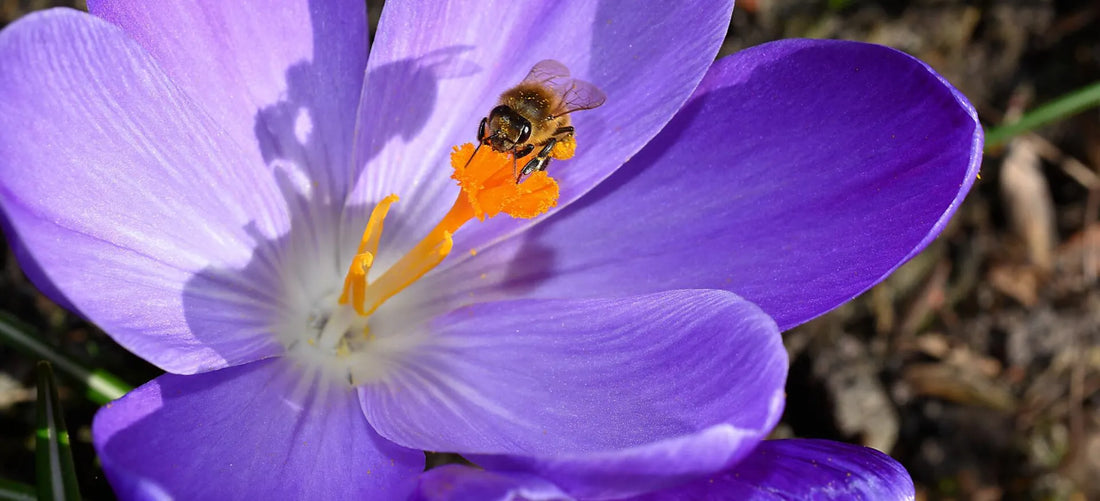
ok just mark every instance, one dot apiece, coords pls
pixel 524 132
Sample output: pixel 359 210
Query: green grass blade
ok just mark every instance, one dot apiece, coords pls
pixel 53 457
pixel 15 491
pixel 101 386
pixel 1069 104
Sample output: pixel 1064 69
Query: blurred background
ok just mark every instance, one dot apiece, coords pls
pixel 977 364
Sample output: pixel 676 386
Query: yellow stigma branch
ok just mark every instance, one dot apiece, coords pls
pixel 355 283
pixel 488 189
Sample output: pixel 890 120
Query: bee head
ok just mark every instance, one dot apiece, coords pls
pixel 507 129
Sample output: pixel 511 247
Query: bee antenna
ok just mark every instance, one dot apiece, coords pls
pixel 474 154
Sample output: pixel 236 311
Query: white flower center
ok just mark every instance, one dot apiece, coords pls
pixel 358 328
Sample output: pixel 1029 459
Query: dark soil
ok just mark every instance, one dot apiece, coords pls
pixel 977 364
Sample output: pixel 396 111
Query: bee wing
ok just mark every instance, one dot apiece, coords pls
pixel 576 95
pixel 548 72
pixel 579 96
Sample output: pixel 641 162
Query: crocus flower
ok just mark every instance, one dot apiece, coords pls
pixel 195 178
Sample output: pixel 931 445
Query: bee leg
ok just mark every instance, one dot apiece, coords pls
pixel 541 160
pixel 481 129
pixel 525 151
pixel 520 154
pixel 567 130
pixel 544 154
pixel 534 165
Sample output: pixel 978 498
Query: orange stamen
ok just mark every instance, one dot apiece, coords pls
pixel 490 188
pixel 487 189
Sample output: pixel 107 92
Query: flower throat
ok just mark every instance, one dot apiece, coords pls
pixel 488 188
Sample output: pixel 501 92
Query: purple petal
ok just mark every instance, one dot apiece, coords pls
pixel 803 469
pixel 800 174
pixel 265 430
pixel 283 80
pixel 437 68
pixel 459 483
pixel 638 470
pixel 122 191
pixel 595 390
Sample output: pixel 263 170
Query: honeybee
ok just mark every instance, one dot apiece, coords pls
pixel 535 114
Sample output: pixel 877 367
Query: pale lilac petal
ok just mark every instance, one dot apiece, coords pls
pixel 803 469
pixel 800 174
pixel 438 67
pixel 676 384
pixel 460 483
pixel 124 192
pixel 282 78
pixel 265 430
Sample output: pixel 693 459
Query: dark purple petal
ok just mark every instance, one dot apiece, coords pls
pixel 637 470
pixel 265 430
pixel 283 79
pixel 460 483
pixel 800 174
pixel 599 396
pixel 803 469
pixel 438 67
pixel 122 191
